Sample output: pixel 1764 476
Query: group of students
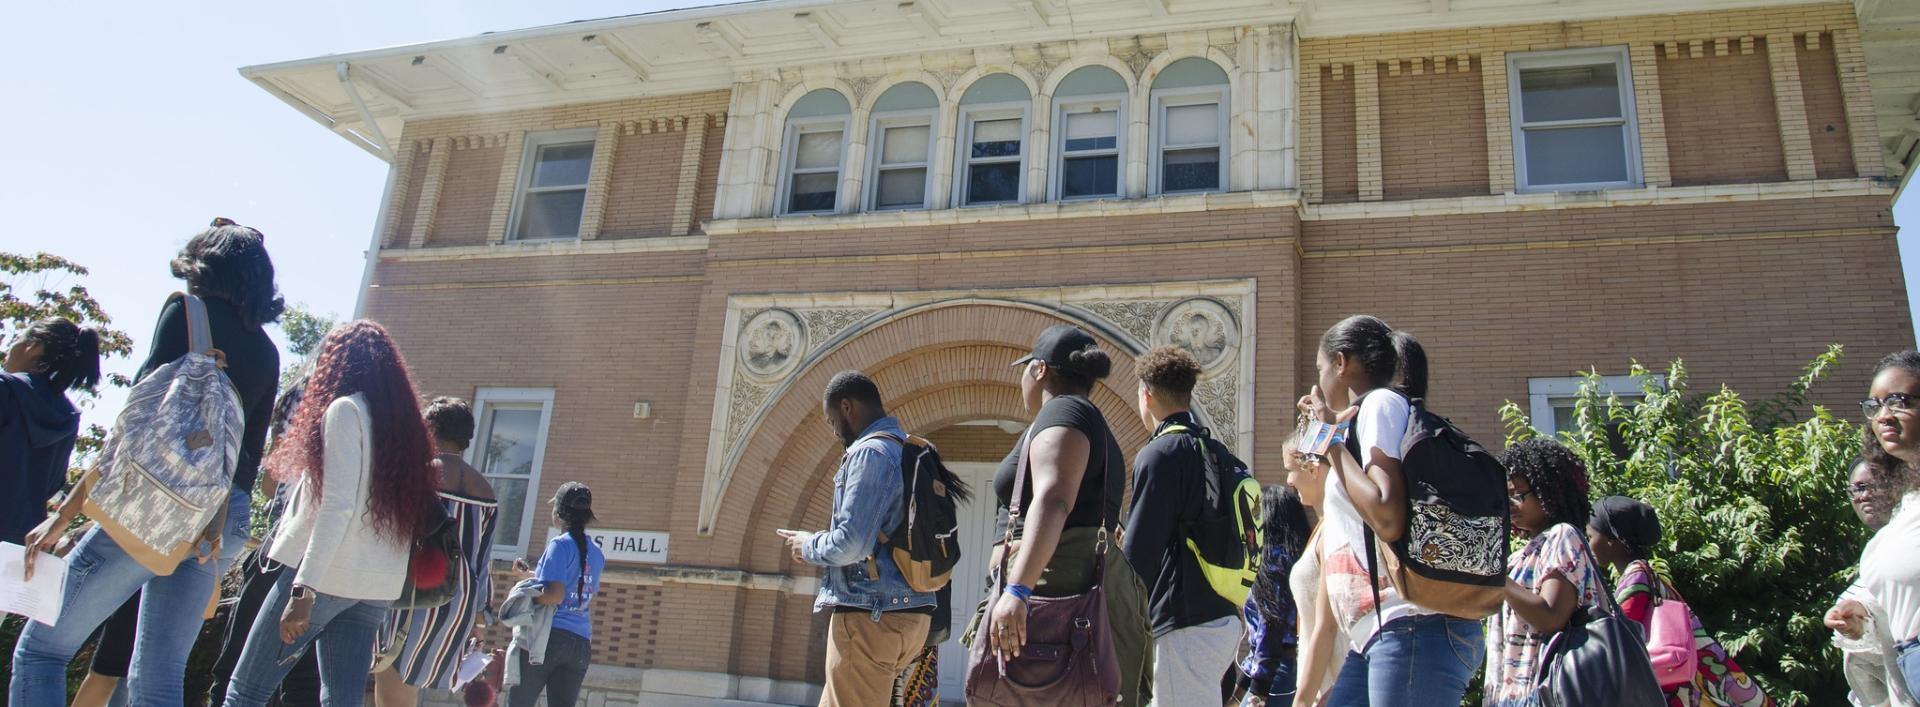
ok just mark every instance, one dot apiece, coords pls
pixel 360 476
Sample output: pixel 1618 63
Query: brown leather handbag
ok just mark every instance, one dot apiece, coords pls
pixel 1069 658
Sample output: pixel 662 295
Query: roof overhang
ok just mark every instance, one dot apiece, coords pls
pixel 366 97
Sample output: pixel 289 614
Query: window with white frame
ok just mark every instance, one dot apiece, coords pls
pixel 552 194
pixel 1089 134
pixel 814 153
pixel 902 136
pixel 509 442
pixel 1189 128
pixel 1573 120
pixel 1551 401
pixel 993 139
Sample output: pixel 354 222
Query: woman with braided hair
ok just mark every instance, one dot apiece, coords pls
pixel 570 567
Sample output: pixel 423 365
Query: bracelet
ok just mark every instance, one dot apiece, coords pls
pixel 1019 591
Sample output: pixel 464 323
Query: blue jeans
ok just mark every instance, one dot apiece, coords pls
pixel 100 577
pixel 1414 661
pixel 343 631
pixel 1907 655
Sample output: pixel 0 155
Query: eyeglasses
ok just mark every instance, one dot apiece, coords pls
pixel 1519 498
pixel 1862 489
pixel 1897 402
pixel 219 221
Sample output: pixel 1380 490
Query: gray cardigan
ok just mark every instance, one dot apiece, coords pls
pixel 532 623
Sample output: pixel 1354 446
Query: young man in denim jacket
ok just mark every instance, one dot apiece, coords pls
pixel 879 624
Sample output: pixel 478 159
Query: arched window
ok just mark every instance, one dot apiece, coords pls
pixel 1089 134
pixel 1189 128
pixel 993 139
pixel 815 148
pixel 901 151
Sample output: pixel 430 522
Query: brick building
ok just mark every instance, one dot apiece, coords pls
pixel 644 243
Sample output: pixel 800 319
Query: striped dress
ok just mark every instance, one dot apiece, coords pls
pixel 436 638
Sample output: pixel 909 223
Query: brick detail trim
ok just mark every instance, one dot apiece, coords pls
pixel 1499 118
pixel 397 201
pixel 690 165
pixel 1366 111
pixel 503 194
pixel 1311 189
pixel 430 191
pixel 1656 168
pixel 1855 86
pixel 599 175
pixel 1790 105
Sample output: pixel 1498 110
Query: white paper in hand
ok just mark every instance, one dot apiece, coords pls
pixel 38 599
pixel 470 666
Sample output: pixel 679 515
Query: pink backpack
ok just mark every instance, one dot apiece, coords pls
pixel 1670 640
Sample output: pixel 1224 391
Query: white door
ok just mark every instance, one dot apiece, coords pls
pixel 970 577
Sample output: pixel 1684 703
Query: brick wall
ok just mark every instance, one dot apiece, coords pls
pixel 641 189
pixel 1826 112
pixel 401 223
pixel 709 183
pixel 1341 180
pixel 1433 139
pixel 1721 122
pixel 466 196
pixel 973 444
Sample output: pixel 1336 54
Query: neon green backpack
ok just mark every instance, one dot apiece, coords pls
pixel 1226 538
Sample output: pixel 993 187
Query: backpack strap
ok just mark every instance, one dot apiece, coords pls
pixel 873 568
pixel 199 334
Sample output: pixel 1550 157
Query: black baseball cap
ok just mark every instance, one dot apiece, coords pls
pixel 574 496
pixel 1056 344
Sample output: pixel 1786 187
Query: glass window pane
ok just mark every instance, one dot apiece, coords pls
pixel 1091 125
pixel 902 188
pixel 905 144
pixel 813 192
pixel 818 150
pixel 1576 155
pixel 1563 415
pixel 996 138
pixel 1089 176
pixel 1570 93
pixel 1190 170
pixel 513 506
pixel 989 183
pixel 563 165
pixel 552 214
pixel 512 435
pixel 1193 125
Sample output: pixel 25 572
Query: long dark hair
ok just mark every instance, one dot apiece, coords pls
pixel 1284 524
pixel 230 263
pixel 359 358
pixel 1392 359
pixel 1557 477
pixel 69 353
pixel 573 507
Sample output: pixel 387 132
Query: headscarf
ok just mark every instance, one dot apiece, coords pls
pixel 1631 522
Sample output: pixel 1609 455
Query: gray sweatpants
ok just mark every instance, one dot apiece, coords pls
pixel 1188 663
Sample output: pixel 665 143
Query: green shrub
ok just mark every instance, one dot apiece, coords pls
pixel 1759 535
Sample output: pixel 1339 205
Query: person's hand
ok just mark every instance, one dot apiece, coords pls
pixel 1009 627
pixel 294 619
pixel 1848 618
pixel 1314 404
pixel 41 539
pixel 796 542
pixel 520 566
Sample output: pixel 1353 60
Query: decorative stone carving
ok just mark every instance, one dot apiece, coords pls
pixel 1219 397
pixel 1137 60
pixel 947 77
pixel 771 344
pixel 745 401
pixel 862 84
pixel 1133 317
pixel 823 324
pixel 1203 327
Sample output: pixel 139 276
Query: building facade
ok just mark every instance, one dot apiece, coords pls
pixel 643 244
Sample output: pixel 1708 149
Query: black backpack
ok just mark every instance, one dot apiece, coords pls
pixel 1225 540
pixel 1453 557
pixel 926 543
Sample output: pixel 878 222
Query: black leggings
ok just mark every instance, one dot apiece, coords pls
pixel 301 688
pixel 568 656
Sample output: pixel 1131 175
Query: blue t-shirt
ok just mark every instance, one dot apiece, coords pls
pixel 561 563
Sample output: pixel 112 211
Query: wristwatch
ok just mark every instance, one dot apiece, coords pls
pixel 301 592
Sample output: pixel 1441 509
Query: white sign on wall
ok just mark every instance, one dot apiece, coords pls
pixel 642 546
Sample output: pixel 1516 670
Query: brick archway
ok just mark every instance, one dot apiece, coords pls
pixel 937 368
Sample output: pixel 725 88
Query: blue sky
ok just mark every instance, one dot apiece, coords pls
pixel 128 135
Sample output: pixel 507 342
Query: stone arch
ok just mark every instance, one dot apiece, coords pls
pixel 1061 72
pixel 1166 58
pixel 867 102
pixel 966 80
pixel 807 86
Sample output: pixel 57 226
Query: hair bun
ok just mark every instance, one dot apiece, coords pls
pixel 1092 362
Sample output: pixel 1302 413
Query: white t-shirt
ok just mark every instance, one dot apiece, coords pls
pixel 1380 427
pixel 1890 569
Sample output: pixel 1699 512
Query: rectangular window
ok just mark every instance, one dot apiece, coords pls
pixel 1088 162
pixel 508 444
pixel 1551 400
pixel 1189 137
pixel 1573 125
pixel 993 152
pixel 813 169
pixel 900 173
pixel 552 193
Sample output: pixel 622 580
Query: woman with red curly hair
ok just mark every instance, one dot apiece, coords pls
pixel 359 457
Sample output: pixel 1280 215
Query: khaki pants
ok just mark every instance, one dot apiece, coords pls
pixel 864 656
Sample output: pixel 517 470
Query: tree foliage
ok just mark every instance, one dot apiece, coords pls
pixel 36 287
pixel 305 330
pixel 1759 535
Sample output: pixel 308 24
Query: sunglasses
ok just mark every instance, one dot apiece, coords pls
pixel 1896 402
pixel 219 221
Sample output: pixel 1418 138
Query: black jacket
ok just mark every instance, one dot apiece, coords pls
pixel 38 426
pixel 1168 475
pixel 253 363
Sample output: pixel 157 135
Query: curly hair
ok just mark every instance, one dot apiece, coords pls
pixel 1557 477
pixel 230 263
pixel 359 358
pixel 70 353
pixel 1169 371
pixel 450 419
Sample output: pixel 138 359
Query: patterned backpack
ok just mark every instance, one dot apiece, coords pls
pixel 164 474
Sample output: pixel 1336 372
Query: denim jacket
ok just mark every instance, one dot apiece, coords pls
pixel 866 501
